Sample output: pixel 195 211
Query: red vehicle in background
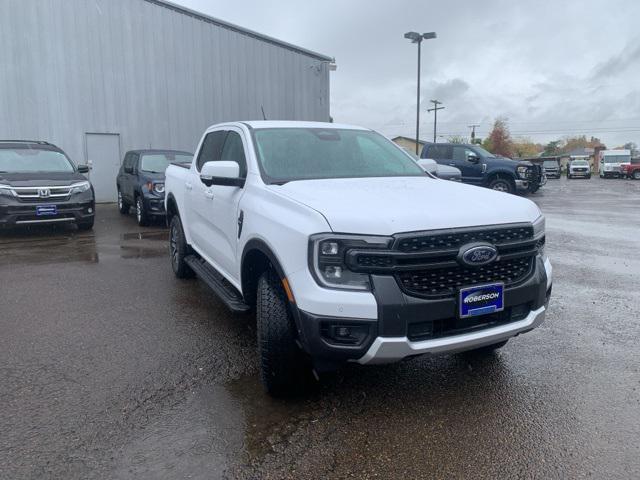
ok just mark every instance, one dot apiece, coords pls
pixel 631 170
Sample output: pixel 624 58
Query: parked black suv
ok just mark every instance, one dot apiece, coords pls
pixel 40 184
pixel 480 167
pixel 140 181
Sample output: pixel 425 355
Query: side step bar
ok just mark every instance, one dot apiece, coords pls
pixel 229 295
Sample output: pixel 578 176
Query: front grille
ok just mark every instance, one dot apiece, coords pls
pixel 446 281
pixel 455 239
pixel 34 194
pixel 457 326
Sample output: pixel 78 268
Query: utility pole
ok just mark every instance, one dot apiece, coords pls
pixel 473 131
pixel 435 116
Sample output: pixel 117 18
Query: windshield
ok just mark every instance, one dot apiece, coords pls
pixel 580 163
pixel 483 153
pixel 287 154
pixel 617 158
pixel 26 160
pixel 550 163
pixel 158 162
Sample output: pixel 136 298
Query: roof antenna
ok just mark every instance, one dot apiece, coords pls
pixel 264 117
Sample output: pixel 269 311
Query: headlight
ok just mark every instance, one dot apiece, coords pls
pixel 539 234
pixel 79 187
pixel 539 227
pixel 327 259
pixel 155 187
pixel 522 171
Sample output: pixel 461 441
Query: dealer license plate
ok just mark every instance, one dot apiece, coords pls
pixel 44 210
pixel 481 300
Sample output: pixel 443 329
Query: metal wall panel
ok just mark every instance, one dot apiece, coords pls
pixel 154 75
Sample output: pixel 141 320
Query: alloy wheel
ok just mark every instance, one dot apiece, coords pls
pixel 173 246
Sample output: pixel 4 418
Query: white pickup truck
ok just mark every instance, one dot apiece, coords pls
pixel 348 251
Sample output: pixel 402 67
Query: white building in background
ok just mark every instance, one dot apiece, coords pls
pixel 100 77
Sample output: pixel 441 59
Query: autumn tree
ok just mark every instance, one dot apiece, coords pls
pixel 525 148
pixel 499 140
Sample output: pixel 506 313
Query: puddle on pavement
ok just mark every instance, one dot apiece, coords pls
pixel 37 247
pixel 148 244
pixel 149 235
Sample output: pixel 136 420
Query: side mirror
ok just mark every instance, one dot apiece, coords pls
pixel 83 168
pixel 128 169
pixel 473 158
pixel 225 173
pixel 429 166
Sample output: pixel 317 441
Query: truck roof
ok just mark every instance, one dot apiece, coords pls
pixel 616 152
pixel 293 124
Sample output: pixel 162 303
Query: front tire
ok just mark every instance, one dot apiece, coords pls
pixel 86 225
pixel 280 358
pixel 141 213
pixel 123 207
pixel 502 185
pixel 178 249
pixel 636 175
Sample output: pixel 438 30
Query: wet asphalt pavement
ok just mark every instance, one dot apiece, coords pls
pixel 112 368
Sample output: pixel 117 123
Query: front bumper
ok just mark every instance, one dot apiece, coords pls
pixel 580 174
pixel 154 204
pixel 392 335
pixel 68 211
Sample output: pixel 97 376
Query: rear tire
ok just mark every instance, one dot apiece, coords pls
pixel 123 207
pixel 179 249
pixel 636 175
pixel 141 213
pixel 281 362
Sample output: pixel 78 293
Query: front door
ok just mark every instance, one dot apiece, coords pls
pixel 103 157
pixel 471 172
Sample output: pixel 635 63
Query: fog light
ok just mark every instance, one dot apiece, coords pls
pixel 89 210
pixel 343 331
pixel 341 334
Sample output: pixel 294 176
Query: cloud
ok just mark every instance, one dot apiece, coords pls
pixel 553 69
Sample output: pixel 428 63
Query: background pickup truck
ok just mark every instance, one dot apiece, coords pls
pixel 480 167
pixel 632 170
pixel 348 251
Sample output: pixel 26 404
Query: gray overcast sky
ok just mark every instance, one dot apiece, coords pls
pixel 553 68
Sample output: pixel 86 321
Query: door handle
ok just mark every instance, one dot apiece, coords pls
pixel 452 164
pixel 208 194
pixel 188 186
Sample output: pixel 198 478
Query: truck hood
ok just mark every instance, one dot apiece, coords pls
pixel 384 206
pixel 40 179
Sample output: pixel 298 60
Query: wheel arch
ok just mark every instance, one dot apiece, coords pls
pixel 171 208
pixel 257 257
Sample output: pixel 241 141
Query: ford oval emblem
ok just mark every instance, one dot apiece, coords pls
pixel 475 255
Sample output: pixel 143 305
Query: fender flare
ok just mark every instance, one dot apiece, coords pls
pixel 261 246
pixel 501 171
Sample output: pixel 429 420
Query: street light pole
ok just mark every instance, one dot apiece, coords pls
pixel 415 37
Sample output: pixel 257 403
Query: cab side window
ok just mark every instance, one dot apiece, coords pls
pixel 234 150
pixel 462 153
pixel 439 152
pixel 211 148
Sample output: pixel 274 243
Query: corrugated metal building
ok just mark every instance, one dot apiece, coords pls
pixel 100 77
